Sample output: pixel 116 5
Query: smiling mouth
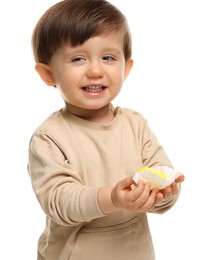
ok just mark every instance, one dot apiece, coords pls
pixel 94 89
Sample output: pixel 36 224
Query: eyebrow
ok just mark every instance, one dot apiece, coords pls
pixel 112 50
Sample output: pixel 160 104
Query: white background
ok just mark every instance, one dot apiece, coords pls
pixel 168 85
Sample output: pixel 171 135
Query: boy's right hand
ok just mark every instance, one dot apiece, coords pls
pixel 140 199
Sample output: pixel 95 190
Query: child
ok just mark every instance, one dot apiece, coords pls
pixel 82 158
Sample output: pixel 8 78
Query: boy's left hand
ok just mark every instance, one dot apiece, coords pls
pixel 171 190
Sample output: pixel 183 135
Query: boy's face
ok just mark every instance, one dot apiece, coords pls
pixel 90 76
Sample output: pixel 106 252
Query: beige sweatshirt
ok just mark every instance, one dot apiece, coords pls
pixel 69 159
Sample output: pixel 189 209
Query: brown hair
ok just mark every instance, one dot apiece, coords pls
pixel 75 21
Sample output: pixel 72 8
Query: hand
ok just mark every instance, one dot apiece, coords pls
pixel 141 199
pixel 171 190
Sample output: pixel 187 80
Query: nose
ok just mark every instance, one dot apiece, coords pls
pixel 95 70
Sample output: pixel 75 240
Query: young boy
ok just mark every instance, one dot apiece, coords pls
pixel 82 158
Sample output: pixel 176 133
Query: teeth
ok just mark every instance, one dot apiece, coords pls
pixel 93 88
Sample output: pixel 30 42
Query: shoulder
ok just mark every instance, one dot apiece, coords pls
pixel 133 121
pixel 52 133
pixel 130 114
pixel 52 126
pixel 52 122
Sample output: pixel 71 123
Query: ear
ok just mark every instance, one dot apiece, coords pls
pixel 45 73
pixel 128 66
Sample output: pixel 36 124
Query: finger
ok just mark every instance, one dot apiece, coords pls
pixel 180 179
pixel 136 193
pixel 167 192
pixel 174 187
pixel 142 197
pixel 151 201
pixel 159 197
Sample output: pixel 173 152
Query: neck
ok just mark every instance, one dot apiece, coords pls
pixel 102 115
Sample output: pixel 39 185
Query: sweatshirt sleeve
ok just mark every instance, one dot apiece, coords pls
pixel 153 153
pixel 57 185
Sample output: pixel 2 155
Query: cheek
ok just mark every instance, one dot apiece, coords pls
pixel 117 73
pixel 65 92
pixel 61 73
pixel 63 79
pixel 121 76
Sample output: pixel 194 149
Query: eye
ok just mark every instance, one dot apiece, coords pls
pixel 108 58
pixel 78 59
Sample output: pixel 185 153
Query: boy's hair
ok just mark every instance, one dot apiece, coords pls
pixel 74 22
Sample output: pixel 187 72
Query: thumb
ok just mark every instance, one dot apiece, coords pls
pixel 126 183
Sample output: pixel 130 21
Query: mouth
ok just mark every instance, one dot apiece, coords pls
pixel 94 89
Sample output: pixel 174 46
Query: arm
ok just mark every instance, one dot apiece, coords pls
pixel 58 186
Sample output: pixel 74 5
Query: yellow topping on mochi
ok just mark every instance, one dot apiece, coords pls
pixel 154 171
